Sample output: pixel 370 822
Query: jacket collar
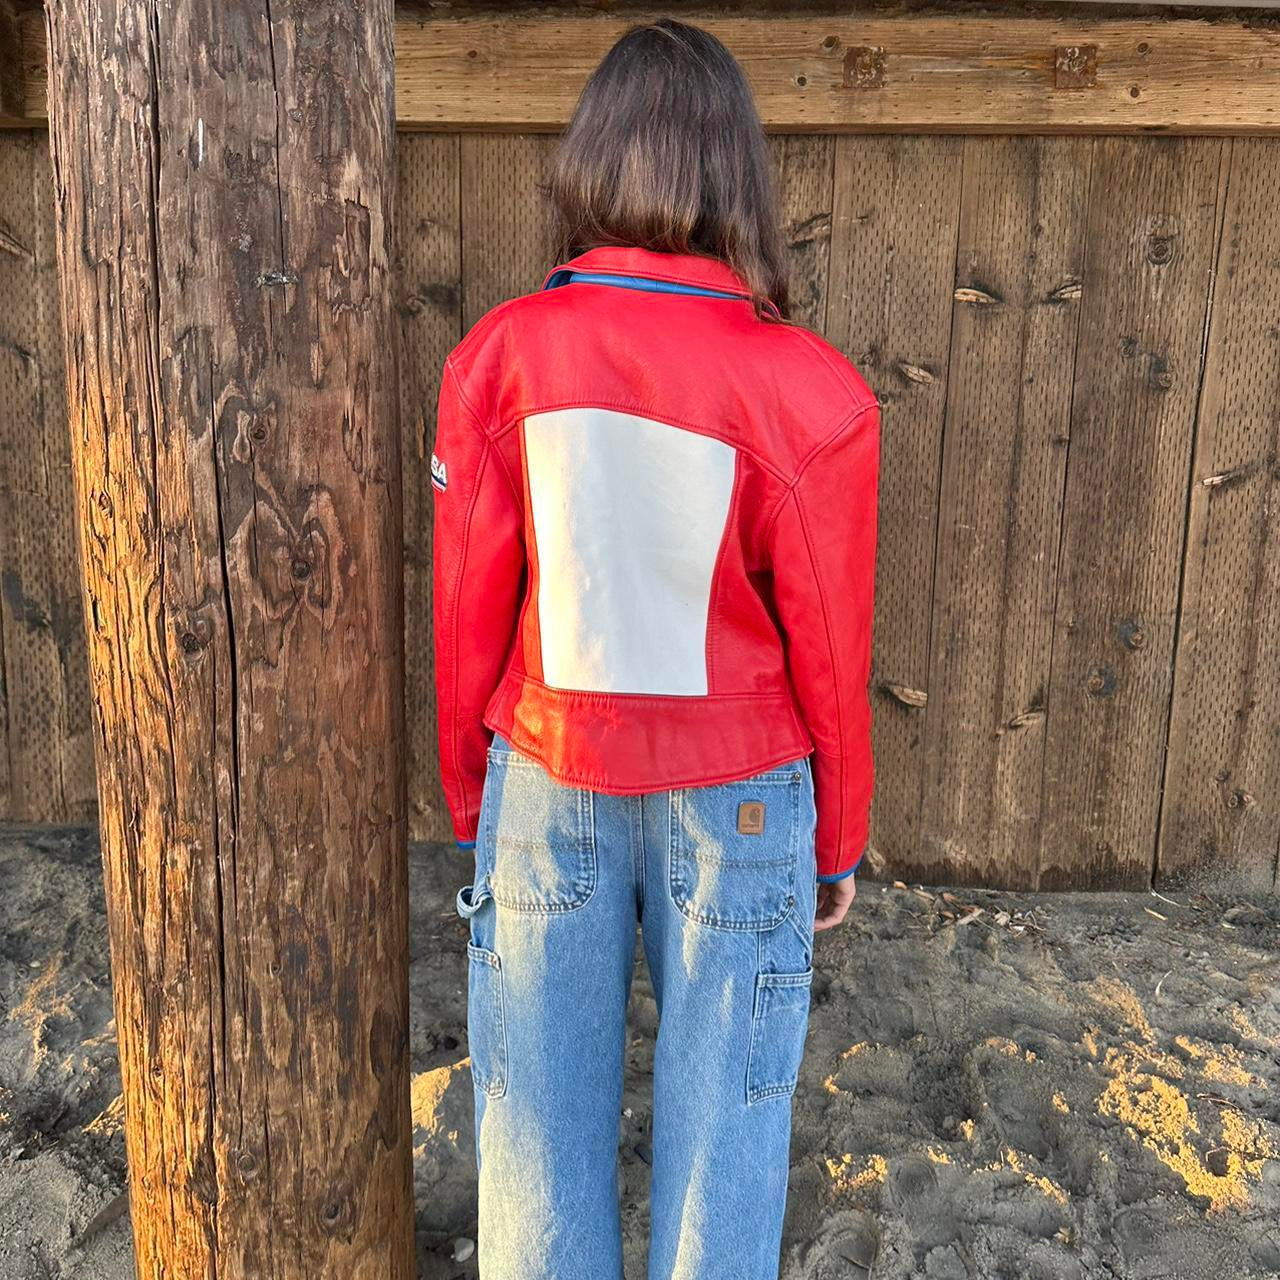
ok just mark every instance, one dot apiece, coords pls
pixel 677 268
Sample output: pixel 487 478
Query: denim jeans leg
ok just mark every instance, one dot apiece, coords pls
pixel 728 933
pixel 553 919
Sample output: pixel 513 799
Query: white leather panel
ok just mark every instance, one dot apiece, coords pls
pixel 628 515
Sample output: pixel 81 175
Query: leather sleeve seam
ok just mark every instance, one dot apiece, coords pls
pixel 818 449
pixel 490 438
pixel 835 666
pixel 451 370
pixel 453 630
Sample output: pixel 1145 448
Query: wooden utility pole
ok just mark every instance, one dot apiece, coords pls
pixel 224 178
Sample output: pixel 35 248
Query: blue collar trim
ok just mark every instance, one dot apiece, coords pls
pixel 645 284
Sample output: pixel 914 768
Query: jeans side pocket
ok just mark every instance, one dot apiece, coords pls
pixel 779 1021
pixel 486 1021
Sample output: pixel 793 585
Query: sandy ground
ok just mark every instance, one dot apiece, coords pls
pixel 1057 1087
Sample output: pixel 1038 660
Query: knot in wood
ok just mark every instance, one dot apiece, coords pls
pixel 1159 377
pixel 1160 250
pixel 907 696
pixel 338 1210
pixel 1071 291
pixel 1101 682
pixel 979 297
pixel 194 631
pixel 1132 636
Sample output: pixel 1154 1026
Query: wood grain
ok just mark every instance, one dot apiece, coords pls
pixel 865 71
pixel 429 289
pixel 225 242
pixel 43 669
pixel 949 72
pixel 1004 454
pixel 507 244
pixel 893 246
pixel 1151 241
pixel 1221 815
pixel 13 76
pixel 806 173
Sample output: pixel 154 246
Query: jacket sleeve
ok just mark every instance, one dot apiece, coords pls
pixel 478 552
pixel 823 548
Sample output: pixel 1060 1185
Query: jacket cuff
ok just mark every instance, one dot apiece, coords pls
pixel 839 875
pixel 832 865
pixel 465 829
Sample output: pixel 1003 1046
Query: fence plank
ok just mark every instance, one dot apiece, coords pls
pixel 1221 815
pixel 506 225
pixel 893 72
pixel 893 242
pixel 429 284
pixel 1151 240
pixel 50 739
pixel 904 72
pixel 805 174
pixel 1004 453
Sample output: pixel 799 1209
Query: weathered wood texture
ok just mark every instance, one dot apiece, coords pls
pixel 223 178
pixel 893 247
pixel 1221 812
pixel 13 76
pixel 1147 286
pixel 507 242
pixel 46 732
pixel 429 296
pixel 1038 470
pixel 861 70
pixel 1016 309
pixel 806 177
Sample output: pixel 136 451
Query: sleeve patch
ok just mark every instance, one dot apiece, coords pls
pixel 439 474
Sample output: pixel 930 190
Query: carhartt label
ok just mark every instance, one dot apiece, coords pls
pixel 751 818
pixel 439 474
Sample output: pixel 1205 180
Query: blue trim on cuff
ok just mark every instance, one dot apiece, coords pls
pixel 841 876
pixel 466 844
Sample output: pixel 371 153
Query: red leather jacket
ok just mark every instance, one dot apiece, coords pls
pixel 655 531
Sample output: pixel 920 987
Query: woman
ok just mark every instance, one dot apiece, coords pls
pixel 654 560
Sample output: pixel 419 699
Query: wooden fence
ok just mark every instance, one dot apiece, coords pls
pixel 1075 340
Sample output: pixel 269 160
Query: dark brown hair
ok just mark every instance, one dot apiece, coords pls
pixel 665 151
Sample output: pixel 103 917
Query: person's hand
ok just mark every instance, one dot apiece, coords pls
pixel 834 900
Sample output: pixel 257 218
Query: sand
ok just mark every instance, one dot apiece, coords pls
pixel 1061 1086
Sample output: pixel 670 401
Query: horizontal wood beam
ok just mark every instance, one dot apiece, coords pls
pixel 904 73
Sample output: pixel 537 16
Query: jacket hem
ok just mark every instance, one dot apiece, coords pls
pixel 727 745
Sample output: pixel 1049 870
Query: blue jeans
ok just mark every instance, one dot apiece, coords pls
pixel 721 880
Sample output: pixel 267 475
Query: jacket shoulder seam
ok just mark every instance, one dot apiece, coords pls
pixel 451 370
pixel 818 449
